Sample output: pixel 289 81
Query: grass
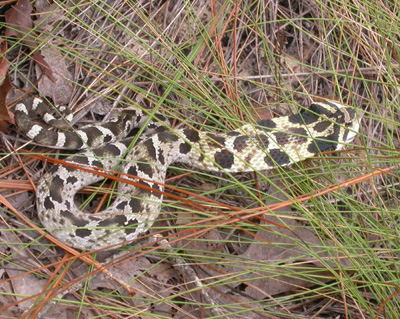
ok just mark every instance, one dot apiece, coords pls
pixel 215 67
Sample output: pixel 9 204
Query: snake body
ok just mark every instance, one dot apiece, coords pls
pixel 268 144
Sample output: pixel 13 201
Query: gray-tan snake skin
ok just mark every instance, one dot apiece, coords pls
pixel 270 143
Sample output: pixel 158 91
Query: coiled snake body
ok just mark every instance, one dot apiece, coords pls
pixel 262 146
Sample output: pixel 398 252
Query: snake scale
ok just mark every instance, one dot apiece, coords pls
pixel 268 144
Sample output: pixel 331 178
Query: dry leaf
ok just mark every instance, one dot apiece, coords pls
pixel 5 87
pixel 19 17
pixel 60 89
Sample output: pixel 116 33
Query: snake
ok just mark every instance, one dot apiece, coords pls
pixel 265 145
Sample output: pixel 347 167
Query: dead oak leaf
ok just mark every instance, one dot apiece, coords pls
pixel 20 25
pixel 5 87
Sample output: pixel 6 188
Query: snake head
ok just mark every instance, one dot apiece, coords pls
pixel 352 118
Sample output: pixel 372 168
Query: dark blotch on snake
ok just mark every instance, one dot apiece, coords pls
pixel 55 188
pixel 132 171
pixel 72 139
pixel 322 126
pixel 150 148
pixel 130 227
pixel 144 167
pixel 192 135
pixel 320 109
pixel 48 203
pixel 224 158
pixel 79 159
pixel 327 143
pixel 50 138
pixel 233 133
pixel 110 150
pixel 97 163
pixel 295 135
pixel 184 148
pixel 267 124
pixel 264 141
pixel 67 168
pixel 78 222
pixel 303 118
pixel 135 204
pixel 72 180
pixel 117 128
pixel 167 137
pixel 157 191
pixel 240 143
pixel 121 206
pixel 214 139
pixel 82 232
pixel 145 187
pixel 93 134
pixel 161 157
pixel 277 158
pixel 115 221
